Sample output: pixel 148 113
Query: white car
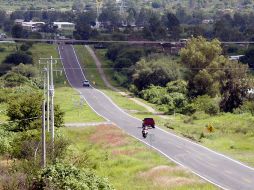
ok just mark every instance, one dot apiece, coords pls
pixel 86 83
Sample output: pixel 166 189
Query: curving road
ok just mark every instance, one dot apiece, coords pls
pixel 216 168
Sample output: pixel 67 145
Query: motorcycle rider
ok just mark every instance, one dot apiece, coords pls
pixel 144 131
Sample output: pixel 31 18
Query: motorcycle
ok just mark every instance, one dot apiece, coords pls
pixel 145 131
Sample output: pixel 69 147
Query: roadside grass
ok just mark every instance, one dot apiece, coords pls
pixel 233 133
pixel 7 49
pixel 3 116
pixel 75 109
pixel 126 162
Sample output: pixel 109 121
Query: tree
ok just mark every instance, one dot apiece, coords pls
pixel 83 26
pixel 154 29
pixel 8 26
pixel 203 58
pixel 78 6
pixel 18 57
pixel 179 86
pixel 156 72
pixel 2 17
pixel 143 17
pixel 110 16
pixel 172 24
pixel 248 58
pixel 17 31
pixel 26 112
pixel 234 86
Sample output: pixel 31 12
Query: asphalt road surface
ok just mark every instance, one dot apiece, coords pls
pixel 216 168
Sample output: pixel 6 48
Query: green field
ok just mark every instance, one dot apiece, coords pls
pixel 127 163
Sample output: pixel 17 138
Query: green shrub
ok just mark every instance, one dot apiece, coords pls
pixel 2 49
pixel 247 107
pixel 133 89
pixel 153 94
pixel 120 78
pixel 18 57
pixel 25 110
pixel 24 47
pixel 5 140
pixel 212 109
pixel 66 176
pixel 207 104
pixel 177 86
pixel 27 145
pixel 28 71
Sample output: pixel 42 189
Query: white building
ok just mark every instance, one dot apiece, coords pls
pixel 208 21
pixel 235 57
pixel 66 26
pixel 32 26
pixel 19 21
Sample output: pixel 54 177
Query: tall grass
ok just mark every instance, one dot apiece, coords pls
pixel 128 165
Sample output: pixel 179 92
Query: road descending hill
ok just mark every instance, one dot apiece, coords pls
pixel 215 168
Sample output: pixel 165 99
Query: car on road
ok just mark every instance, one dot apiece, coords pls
pixel 149 122
pixel 86 83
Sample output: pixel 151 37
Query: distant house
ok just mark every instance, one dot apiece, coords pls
pixel 32 26
pixel 235 57
pixel 18 21
pixel 207 21
pixel 64 26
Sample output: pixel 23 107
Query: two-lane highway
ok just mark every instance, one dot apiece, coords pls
pixel 213 167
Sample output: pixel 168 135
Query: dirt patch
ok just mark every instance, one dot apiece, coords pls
pixel 173 181
pixel 108 136
pixel 127 152
pixel 168 176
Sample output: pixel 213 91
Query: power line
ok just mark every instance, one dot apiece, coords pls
pixel 17 120
pixel 72 41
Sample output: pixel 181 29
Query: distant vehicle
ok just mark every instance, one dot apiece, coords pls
pixel 235 57
pixel 148 122
pixel 183 41
pixel 86 83
pixel 3 36
pixel 99 46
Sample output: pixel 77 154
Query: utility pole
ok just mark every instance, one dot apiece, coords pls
pixel 47 71
pixel 43 136
pixel 50 95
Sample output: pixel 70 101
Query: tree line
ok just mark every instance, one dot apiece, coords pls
pixel 182 83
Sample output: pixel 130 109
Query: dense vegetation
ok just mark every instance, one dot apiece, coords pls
pixel 20 143
pixel 201 79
